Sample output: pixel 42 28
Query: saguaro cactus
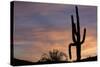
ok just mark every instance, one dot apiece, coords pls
pixel 76 36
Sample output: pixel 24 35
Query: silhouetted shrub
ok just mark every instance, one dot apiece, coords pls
pixel 53 56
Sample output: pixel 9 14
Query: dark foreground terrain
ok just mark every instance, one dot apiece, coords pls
pixel 18 62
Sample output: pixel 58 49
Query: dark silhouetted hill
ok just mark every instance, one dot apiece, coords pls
pixel 94 58
pixel 18 62
pixel 90 59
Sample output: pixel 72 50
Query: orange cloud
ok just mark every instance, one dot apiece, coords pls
pixel 57 40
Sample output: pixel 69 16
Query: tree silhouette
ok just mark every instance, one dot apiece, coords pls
pixel 76 36
pixel 53 56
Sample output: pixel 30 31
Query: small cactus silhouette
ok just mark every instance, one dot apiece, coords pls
pixel 76 36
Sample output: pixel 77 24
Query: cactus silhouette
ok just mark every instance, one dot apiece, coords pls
pixel 76 36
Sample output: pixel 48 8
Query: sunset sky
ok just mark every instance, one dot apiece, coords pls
pixel 40 27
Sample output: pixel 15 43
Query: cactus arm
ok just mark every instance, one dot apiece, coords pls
pixel 73 29
pixel 84 36
pixel 71 44
pixel 70 56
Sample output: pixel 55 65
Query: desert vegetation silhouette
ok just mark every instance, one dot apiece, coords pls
pixel 76 36
pixel 53 56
